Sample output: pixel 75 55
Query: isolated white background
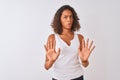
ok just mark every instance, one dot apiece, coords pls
pixel 25 26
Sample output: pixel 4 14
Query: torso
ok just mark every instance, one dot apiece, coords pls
pixel 67 38
pixel 67 66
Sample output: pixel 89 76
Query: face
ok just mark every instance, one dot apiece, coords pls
pixel 66 19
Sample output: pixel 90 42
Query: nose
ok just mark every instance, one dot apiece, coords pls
pixel 69 19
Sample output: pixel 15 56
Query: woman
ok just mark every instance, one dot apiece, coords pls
pixel 66 51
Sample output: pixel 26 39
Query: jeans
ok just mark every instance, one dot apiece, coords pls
pixel 79 78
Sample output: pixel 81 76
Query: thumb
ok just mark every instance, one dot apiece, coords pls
pixel 58 52
pixel 79 49
pixel 45 47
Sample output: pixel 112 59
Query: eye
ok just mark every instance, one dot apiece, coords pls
pixel 65 17
pixel 71 16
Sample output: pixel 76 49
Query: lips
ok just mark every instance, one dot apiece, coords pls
pixel 69 24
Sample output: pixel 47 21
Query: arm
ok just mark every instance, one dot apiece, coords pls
pixel 48 63
pixel 51 54
pixel 84 50
pixel 85 63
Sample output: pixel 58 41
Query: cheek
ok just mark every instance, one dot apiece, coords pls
pixel 72 20
pixel 62 21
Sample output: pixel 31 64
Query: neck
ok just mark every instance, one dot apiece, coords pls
pixel 67 32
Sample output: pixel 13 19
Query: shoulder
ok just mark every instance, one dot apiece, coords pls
pixel 51 37
pixel 80 36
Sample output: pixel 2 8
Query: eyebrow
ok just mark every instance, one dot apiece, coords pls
pixel 67 15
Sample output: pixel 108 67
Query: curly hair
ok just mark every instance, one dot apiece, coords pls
pixel 56 23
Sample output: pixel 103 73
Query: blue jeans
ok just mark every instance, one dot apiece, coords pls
pixel 79 78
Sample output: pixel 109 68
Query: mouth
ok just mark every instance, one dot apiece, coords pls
pixel 69 24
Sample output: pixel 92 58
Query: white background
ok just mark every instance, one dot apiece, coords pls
pixel 25 26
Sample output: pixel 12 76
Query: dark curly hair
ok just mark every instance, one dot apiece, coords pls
pixel 56 23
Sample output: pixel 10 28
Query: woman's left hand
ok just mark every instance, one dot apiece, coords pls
pixel 85 50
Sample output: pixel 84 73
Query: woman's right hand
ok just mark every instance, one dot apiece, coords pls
pixel 51 53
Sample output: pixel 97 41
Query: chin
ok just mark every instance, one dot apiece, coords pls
pixel 69 27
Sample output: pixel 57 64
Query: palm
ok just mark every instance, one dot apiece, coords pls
pixel 86 50
pixel 51 53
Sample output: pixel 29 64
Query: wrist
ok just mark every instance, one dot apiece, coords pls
pixel 86 61
pixel 51 61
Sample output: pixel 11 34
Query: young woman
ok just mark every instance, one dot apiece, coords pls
pixel 67 51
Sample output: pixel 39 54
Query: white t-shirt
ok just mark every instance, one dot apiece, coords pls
pixel 67 66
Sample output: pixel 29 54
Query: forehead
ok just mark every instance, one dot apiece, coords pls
pixel 67 12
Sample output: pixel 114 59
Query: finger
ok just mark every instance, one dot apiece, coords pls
pixel 83 43
pixel 54 44
pixel 48 44
pixel 87 43
pixel 92 49
pixel 51 44
pixel 58 52
pixel 79 47
pixel 45 47
pixel 91 44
